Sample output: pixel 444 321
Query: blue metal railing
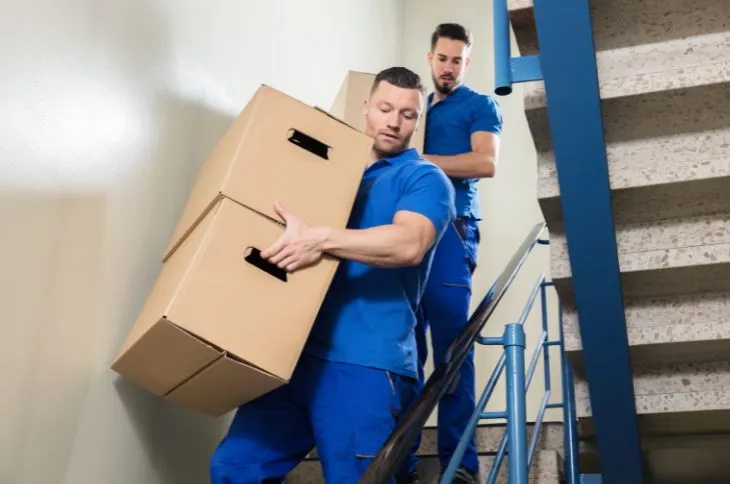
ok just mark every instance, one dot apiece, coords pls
pixel 508 69
pixel 513 358
pixel 566 62
pixel 515 438
pixel 409 426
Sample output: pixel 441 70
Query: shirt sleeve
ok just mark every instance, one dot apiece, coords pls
pixel 486 116
pixel 430 193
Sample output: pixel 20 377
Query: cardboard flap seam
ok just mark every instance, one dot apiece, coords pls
pixel 193 226
pixel 327 113
pixel 194 374
pixel 222 352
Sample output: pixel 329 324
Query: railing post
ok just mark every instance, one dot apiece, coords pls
pixel 514 347
pixel 545 348
pixel 570 422
pixel 502 48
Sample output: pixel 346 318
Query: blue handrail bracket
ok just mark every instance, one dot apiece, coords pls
pixel 514 347
pixel 508 69
pixel 518 382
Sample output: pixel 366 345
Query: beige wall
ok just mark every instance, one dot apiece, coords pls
pixel 508 201
pixel 108 109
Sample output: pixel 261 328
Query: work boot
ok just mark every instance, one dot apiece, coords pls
pixel 465 476
pixel 411 478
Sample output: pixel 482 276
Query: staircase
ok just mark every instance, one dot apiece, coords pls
pixel 546 467
pixel 664 78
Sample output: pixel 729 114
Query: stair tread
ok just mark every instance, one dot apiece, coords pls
pixel 490 436
pixel 646 172
pixel 545 470
pixel 668 321
pixel 637 84
pixel 671 389
pixel 648 260
pixel 648 46
pixel 673 137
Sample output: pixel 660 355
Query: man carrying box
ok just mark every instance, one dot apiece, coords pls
pixel 462 137
pixel 360 362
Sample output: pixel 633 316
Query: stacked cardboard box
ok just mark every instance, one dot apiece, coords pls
pixel 223 326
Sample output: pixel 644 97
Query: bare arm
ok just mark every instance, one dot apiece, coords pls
pixel 424 209
pixel 480 162
pixel 402 243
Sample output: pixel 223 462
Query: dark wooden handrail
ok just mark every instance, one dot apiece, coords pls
pixel 400 441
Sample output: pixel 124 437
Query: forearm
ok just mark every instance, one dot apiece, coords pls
pixel 466 165
pixel 384 246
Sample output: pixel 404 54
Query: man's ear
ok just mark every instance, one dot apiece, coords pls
pixel 365 103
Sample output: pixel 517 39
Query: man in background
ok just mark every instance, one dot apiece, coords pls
pixel 462 137
pixel 360 360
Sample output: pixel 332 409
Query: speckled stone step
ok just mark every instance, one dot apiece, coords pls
pixel 665 258
pixel 644 47
pixel 663 140
pixel 684 398
pixel 663 330
pixel 677 459
pixel 545 470
pixel 490 436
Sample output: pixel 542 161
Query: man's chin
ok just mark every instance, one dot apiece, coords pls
pixel 390 147
pixel 445 88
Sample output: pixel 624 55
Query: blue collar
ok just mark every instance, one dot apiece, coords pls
pixel 455 94
pixel 408 155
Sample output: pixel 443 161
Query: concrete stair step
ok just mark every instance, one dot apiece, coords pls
pixel 644 47
pixel 683 398
pixel 490 436
pixel 671 138
pixel 683 459
pixel 545 470
pixel 670 258
pixel 665 330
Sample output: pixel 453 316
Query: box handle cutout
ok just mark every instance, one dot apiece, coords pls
pixel 254 258
pixel 310 144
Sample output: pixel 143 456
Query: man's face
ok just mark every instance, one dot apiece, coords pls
pixel 449 61
pixel 391 116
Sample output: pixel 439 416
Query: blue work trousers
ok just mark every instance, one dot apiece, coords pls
pixel 346 411
pixel 445 310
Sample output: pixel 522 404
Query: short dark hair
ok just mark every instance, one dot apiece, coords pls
pixel 400 77
pixel 452 31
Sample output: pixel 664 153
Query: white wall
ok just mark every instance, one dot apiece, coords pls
pixel 108 109
pixel 509 201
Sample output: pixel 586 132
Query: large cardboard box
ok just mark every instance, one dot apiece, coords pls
pixel 221 325
pixel 348 104
pixel 281 149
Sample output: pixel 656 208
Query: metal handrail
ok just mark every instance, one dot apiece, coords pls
pixel 502 48
pixel 508 69
pixel 396 448
pixel 513 360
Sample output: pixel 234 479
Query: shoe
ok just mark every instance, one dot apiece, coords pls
pixel 411 478
pixel 465 476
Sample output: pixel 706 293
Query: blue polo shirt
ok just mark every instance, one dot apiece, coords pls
pixel 449 126
pixel 368 315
